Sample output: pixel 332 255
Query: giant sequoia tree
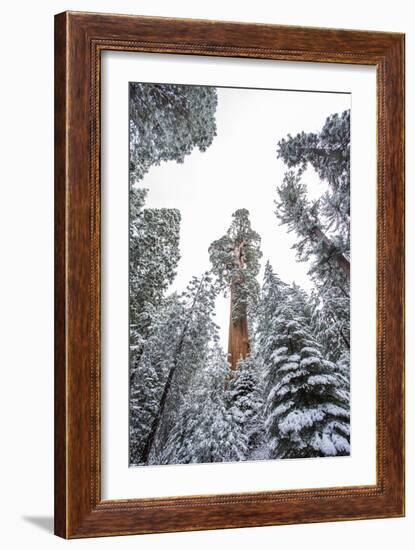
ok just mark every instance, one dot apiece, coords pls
pixel 235 262
pixel 167 121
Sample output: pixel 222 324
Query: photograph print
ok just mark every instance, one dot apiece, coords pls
pixel 239 274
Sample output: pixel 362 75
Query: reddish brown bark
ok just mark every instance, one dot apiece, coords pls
pixel 238 344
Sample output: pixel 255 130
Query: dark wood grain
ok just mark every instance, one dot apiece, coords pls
pixel 79 40
pixel 60 277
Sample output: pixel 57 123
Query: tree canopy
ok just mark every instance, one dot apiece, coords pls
pixel 154 256
pixel 235 261
pixel 328 152
pixel 167 121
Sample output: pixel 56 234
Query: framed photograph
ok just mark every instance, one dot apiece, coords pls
pixel 229 275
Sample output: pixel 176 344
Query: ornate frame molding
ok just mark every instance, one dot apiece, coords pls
pixel 79 40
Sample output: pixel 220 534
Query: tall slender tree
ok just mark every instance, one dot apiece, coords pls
pixel 330 254
pixel 154 255
pixel 235 262
pixel 149 373
pixel 323 225
pixel 198 332
pixel 172 355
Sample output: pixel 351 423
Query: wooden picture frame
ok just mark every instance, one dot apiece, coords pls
pixel 79 40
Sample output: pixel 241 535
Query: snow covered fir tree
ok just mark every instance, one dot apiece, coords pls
pixel 277 385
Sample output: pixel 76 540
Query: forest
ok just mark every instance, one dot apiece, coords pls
pixel 281 389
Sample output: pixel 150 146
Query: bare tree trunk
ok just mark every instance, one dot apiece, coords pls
pixel 238 344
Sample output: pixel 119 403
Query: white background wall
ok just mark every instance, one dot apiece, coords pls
pixel 26 272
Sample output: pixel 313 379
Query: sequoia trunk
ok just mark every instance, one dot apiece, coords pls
pixel 238 344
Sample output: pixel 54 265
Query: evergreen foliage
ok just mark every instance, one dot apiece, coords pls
pixel 166 333
pixel 245 398
pixel 149 371
pixel 154 256
pixel 167 121
pixel 285 393
pixel 328 152
pixel 330 255
pixel 179 339
pixel 206 431
pixel 322 226
pixel 307 401
pixel 331 320
pixel 235 262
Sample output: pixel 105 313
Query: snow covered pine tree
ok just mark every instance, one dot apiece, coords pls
pixel 323 226
pixel 307 399
pixel 197 334
pixel 154 254
pixel 166 123
pixel 246 403
pixel 207 431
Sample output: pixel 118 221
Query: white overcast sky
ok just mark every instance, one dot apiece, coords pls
pixel 240 170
